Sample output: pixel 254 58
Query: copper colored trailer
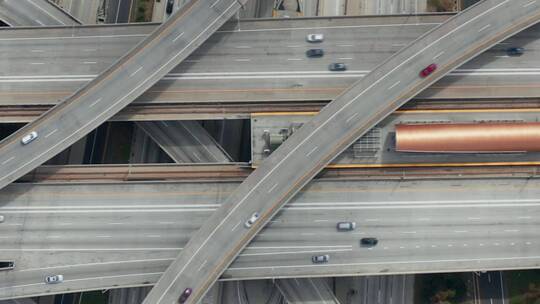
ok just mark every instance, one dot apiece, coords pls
pixel 468 137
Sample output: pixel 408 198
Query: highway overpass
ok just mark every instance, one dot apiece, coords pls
pixel 309 290
pixel 103 235
pixel 98 100
pixel 34 13
pixel 216 244
pixel 228 60
pixel 185 141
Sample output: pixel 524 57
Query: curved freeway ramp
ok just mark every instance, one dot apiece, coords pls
pixel 113 89
pixel 34 13
pixel 348 117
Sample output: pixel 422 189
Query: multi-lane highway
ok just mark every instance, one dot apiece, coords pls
pixel 210 251
pixel 357 76
pixel 241 66
pixel 98 100
pixel 126 234
pixel 34 13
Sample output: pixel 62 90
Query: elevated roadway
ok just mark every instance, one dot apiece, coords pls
pixel 188 142
pixel 396 289
pixel 145 150
pixel 308 290
pixel 211 250
pixel 34 13
pixel 98 100
pixel 84 10
pixel 68 58
pixel 126 234
pixel 185 141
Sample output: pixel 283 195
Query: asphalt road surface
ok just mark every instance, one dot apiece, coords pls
pixel 246 66
pixel 309 290
pixel 100 99
pixel 211 250
pixel 84 10
pixel 34 13
pixel 491 287
pixel 381 289
pixel 185 141
pixel 104 235
pixel 118 11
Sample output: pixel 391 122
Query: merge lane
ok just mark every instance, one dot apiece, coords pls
pixel 287 170
pixel 100 99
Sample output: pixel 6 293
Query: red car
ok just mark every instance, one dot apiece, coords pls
pixel 428 70
pixel 185 295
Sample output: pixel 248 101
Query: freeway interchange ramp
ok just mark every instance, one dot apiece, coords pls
pixel 282 175
pixel 216 245
pixel 101 98
pixel 34 13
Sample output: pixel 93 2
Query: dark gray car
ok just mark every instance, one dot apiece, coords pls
pixel 515 51
pixel 369 242
pixel 337 66
pixel 315 53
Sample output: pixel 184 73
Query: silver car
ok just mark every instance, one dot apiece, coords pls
pixel 54 279
pixel 346 226
pixel 337 67
pixel 2 218
pixel 315 37
pixel 318 259
pixel 28 138
pixel 254 217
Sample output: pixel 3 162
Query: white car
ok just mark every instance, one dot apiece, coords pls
pixel 28 138
pixel 54 279
pixel 346 226
pixel 254 217
pixel 2 218
pixel 315 37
